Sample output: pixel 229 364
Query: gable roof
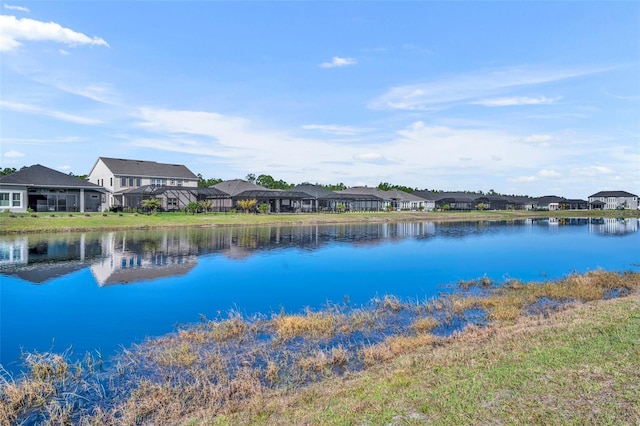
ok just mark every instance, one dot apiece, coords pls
pixel 121 166
pixel 612 194
pixel 315 191
pixel 236 186
pixel 39 175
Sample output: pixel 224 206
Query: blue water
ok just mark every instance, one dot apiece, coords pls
pixel 100 291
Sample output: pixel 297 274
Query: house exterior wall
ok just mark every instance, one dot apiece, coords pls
pixel 612 203
pixel 103 176
pixel 13 198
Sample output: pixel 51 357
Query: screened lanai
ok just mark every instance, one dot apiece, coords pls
pixel 173 197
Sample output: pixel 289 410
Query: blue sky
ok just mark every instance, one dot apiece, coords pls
pixel 530 98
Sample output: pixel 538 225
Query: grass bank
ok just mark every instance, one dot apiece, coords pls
pixel 62 222
pixel 561 352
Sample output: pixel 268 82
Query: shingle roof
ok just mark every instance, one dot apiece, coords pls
pixel 314 190
pixel 612 194
pixel 236 186
pixel 154 190
pixel 123 167
pixel 38 175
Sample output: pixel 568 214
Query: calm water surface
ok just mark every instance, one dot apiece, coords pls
pixel 100 291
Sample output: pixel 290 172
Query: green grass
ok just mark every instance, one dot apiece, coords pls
pixel 56 222
pixel 581 366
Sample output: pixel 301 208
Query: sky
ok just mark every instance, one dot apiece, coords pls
pixel 533 97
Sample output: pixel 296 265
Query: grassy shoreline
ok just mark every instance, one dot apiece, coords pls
pixel 12 223
pixel 533 362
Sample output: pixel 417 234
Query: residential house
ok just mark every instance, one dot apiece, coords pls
pixel 122 177
pixel 42 189
pixel 611 200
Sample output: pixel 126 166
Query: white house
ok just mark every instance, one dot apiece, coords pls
pixel 122 176
pixel 611 200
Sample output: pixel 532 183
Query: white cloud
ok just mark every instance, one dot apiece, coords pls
pixel 64 52
pixel 13 154
pixel 337 61
pixel 541 175
pixel 333 129
pixel 515 101
pixel 33 109
pixel 64 168
pixel 14 29
pixel 370 157
pixel 471 87
pixel 592 171
pixel 18 8
pixel 537 139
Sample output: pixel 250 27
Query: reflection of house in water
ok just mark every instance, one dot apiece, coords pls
pixel 138 256
pixel 613 226
pixel 40 258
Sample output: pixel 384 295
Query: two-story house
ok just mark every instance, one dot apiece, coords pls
pixel 611 200
pixel 131 179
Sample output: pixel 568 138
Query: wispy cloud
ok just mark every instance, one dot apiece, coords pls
pixel 592 171
pixel 473 87
pixel 515 101
pixel 334 130
pixel 33 109
pixel 13 154
pixel 542 174
pixel 18 8
pixel 337 61
pixel 14 29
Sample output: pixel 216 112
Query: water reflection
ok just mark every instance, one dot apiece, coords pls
pixel 132 256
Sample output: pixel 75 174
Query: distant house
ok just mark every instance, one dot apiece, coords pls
pixel 42 189
pixel 392 199
pixel 130 180
pixel 611 200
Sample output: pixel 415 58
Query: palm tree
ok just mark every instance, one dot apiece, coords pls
pixel 152 203
pixel 247 205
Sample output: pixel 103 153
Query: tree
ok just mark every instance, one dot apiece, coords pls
pixel 152 204
pixel 193 207
pixel 7 171
pixel 263 208
pixel 247 205
pixel 481 206
pixel 205 205
pixel 251 178
pixel 386 186
pixel 206 183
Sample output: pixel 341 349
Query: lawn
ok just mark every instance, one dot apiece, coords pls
pixel 21 223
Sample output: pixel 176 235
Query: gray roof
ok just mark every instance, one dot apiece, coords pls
pixel 153 190
pixel 366 190
pixel 315 191
pixel 612 194
pixel 236 186
pixel 41 176
pixel 123 167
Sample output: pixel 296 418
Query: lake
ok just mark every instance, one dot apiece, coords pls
pixel 102 291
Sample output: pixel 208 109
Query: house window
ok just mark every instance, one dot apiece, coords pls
pixel 110 181
pixel 4 199
pixel 16 199
pixel 130 181
pixel 172 203
pixel 123 182
pixel 179 182
pixel 138 181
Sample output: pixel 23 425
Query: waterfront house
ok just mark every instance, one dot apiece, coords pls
pixel 42 189
pixel 611 200
pixel 125 178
